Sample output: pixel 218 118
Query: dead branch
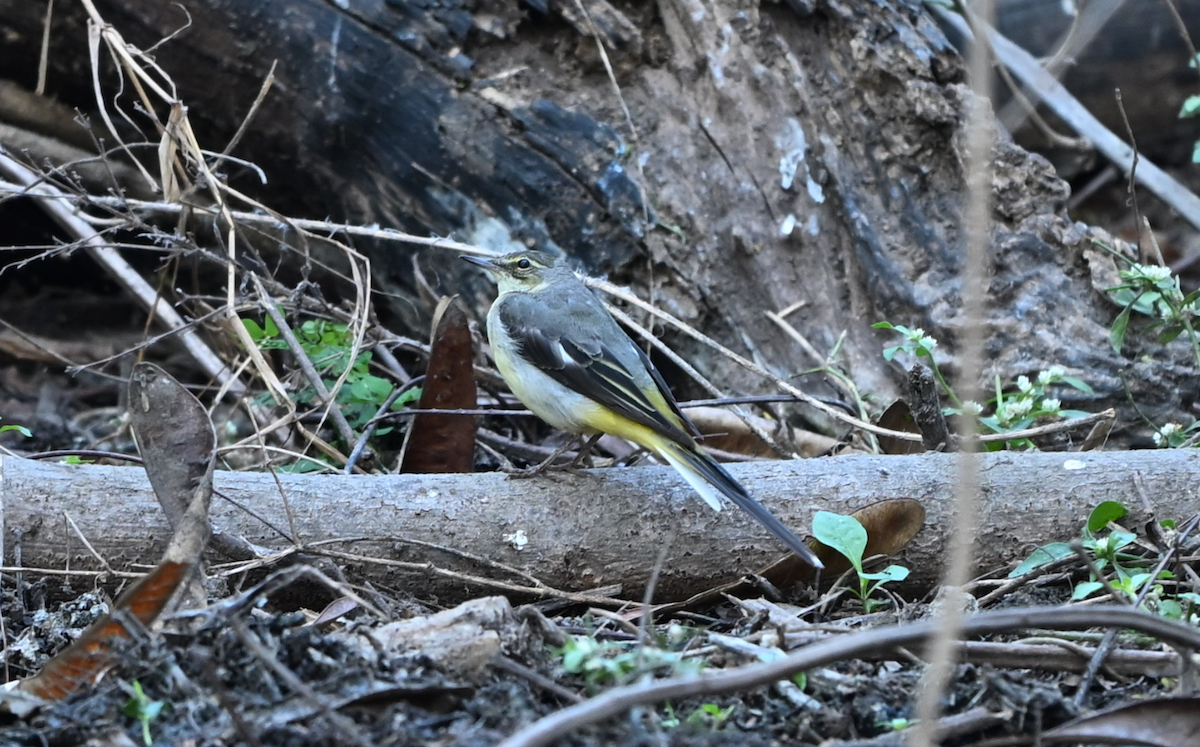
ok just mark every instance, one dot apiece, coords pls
pixel 580 531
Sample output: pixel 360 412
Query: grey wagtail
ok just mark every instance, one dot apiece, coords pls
pixel 569 361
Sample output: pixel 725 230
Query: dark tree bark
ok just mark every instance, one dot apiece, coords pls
pixel 486 119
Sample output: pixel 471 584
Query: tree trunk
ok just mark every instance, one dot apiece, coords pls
pixel 781 157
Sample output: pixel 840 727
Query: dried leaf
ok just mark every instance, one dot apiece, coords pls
pixel 898 417
pixel 1169 722
pixel 175 437
pixel 445 443
pixel 726 431
pixel 84 661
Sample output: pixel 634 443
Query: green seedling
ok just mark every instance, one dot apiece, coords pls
pixel 711 715
pixel 18 428
pixel 846 535
pixel 1105 542
pixel 141 708
pixel 1191 108
pixel 602 664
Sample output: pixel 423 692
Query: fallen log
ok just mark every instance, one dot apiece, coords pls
pixel 582 531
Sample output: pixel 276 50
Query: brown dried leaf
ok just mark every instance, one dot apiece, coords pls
pixel 445 443
pixel 175 437
pixel 84 661
pixel 898 417
pixel 726 431
pixel 1168 722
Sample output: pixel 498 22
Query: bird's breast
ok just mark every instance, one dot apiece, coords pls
pixel 550 400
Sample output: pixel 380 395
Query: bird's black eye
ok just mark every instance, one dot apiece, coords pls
pixel 524 264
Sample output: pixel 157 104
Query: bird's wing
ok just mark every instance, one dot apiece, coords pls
pixel 566 345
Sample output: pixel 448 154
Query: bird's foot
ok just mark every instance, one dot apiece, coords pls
pixel 548 466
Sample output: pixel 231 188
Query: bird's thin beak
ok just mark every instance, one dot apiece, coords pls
pixel 487 263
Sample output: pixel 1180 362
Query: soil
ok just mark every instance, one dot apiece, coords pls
pixel 300 683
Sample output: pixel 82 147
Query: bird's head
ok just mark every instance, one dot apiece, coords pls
pixel 526 271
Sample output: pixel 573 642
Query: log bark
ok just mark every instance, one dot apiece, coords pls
pixel 592 529
pixel 791 153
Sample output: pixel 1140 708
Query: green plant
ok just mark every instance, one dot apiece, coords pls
pixel 1013 408
pixel 329 345
pixel 1191 108
pixel 711 715
pixel 602 664
pixel 1153 290
pixel 1105 542
pixel 18 428
pixel 846 535
pixel 143 709
pixel 1019 409
pixel 1174 435
pixel 920 345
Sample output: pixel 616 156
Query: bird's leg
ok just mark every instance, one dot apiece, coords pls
pixel 544 467
pixel 585 452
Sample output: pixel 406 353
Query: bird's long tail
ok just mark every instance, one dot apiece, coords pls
pixel 711 481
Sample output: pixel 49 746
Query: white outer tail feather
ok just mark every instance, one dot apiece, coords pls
pixel 710 494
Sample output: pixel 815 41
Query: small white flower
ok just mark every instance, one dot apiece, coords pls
pixel 1153 273
pixel 1014 409
pixel 1051 375
pixel 1162 437
pixel 1024 384
pixel 1051 405
pixel 928 343
pixel 970 407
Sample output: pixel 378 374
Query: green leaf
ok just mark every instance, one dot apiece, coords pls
pixel 882 325
pixel 891 573
pixel 407 398
pixel 1170 609
pixel 1196 152
pixel 1116 335
pixel 1085 590
pixel 1190 108
pixel 1044 555
pixel 1170 333
pixel 843 533
pixel 18 428
pixel 1078 384
pixel 1105 512
pixel 256 332
pixel 1118 540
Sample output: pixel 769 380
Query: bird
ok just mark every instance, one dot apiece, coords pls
pixel 565 357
